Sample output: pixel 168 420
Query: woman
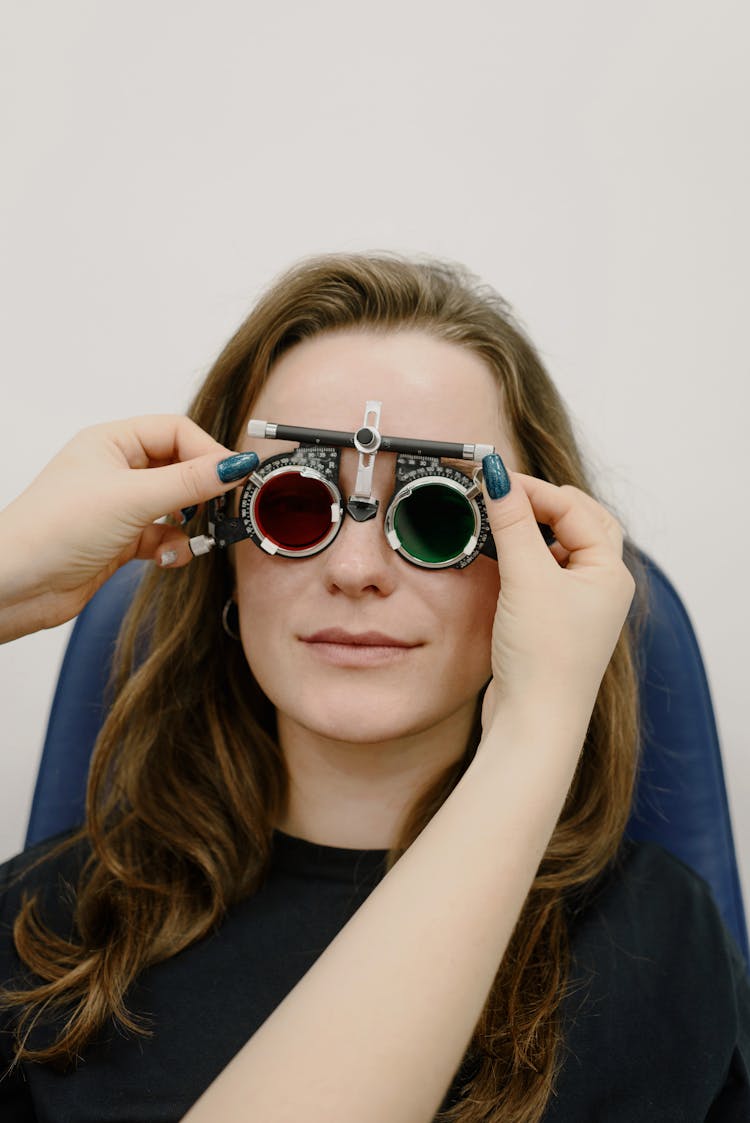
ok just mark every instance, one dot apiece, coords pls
pixel 354 845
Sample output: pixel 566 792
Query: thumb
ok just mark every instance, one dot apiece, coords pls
pixel 521 542
pixel 190 482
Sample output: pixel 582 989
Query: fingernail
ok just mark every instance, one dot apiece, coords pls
pixel 495 476
pixel 187 513
pixel 237 466
pixel 167 557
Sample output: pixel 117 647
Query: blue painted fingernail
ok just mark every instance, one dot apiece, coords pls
pixel 187 513
pixel 235 467
pixel 495 476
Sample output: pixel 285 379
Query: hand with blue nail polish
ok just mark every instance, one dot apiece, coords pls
pixel 93 508
pixel 560 610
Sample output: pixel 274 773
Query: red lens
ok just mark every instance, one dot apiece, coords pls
pixel 294 511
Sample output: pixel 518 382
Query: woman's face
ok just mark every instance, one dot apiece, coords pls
pixel 429 389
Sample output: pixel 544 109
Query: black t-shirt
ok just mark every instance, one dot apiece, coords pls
pixel 657 1026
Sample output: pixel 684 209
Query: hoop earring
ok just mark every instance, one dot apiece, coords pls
pixel 225 621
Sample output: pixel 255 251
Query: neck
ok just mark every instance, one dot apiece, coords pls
pixel 356 794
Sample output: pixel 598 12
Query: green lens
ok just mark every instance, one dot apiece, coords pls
pixel 434 523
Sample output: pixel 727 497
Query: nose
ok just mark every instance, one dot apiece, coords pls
pixel 359 561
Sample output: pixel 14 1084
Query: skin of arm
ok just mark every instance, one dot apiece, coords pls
pixel 378 1026
pixel 23 607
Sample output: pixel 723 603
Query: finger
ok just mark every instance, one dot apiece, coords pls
pixel 582 526
pixel 577 519
pixel 180 518
pixel 165 546
pixel 489 702
pixel 186 484
pixel 159 439
pixel 174 518
pixel 578 527
pixel 560 554
pixel 611 526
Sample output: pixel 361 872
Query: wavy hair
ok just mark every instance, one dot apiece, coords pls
pixel 179 816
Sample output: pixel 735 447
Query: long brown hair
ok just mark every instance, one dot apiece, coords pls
pixel 179 816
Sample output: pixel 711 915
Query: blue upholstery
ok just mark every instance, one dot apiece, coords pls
pixel 680 801
pixel 77 712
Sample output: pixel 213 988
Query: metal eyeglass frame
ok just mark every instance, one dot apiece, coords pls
pixel 318 455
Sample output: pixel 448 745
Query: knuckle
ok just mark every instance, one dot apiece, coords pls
pixel 191 483
pixel 606 516
pixel 611 519
pixel 89 431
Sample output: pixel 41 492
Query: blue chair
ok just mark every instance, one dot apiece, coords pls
pixel 680 800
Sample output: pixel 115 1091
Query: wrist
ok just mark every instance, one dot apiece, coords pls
pixel 20 575
pixel 554 724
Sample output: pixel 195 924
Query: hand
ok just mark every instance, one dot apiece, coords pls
pixel 561 610
pixel 92 509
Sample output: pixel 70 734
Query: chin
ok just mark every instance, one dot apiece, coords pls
pixel 356 729
pixel 360 717
pixel 369 708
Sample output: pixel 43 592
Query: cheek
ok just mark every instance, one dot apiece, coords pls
pixel 475 604
pixel 481 591
pixel 261 607
pixel 261 593
pixel 272 595
pixel 479 606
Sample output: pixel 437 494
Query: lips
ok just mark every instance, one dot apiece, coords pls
pixel 356 639
pixel 358 652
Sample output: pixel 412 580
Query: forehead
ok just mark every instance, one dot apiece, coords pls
pixel 429 388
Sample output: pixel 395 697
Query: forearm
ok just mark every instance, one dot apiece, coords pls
pixel 36 590
pixel 21 619
pixel 26 603
pixel 378 1026
pixel 22 605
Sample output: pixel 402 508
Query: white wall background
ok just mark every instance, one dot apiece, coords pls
pixel 164 159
